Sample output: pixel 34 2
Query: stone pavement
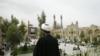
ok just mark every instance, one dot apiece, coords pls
pixel 7 53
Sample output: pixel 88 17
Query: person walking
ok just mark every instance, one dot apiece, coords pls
pixel 47 45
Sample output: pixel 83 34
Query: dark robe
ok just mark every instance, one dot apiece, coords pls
pixel 46 46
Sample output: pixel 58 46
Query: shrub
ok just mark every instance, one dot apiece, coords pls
pixel 25 47
pixel 14 51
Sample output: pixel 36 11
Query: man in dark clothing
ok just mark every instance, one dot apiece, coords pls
pixel 47 45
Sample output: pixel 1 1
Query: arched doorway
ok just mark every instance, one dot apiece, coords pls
pixel 90 32
pixel 97 36
pixel 96 32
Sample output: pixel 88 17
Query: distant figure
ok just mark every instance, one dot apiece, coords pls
pixel 78 48
pixel 74 48
pixel 60 50
pixel 47 45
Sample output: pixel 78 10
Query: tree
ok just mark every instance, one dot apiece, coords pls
pixel 86 40
pixel 1 19
pixel 22 29
pixel 43 16
pixel 13 35
pixel 75 40
pixel 4 27
pixel 82 35
pixel 14 20
pixel 58 36
pixel 41 20
pixel 95 42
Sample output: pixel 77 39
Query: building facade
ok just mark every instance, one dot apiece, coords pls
pixel 73 31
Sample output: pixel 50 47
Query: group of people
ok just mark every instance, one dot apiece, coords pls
pixel 76 48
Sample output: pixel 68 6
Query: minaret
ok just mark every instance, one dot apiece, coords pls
pixel 54 26
pixel 61 21
pixel 54 17
pixel 77 23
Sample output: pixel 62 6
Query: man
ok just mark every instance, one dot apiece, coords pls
pixel 47 45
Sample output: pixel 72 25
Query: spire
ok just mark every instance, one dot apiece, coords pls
pixel 76 23
pixel 54 17
pixel 54 26
pixel 61 21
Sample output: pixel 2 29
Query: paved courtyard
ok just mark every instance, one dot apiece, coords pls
pixel 68 48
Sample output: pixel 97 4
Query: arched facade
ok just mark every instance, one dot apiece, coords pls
pixel 73 31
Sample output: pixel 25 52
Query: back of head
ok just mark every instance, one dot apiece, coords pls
pixel 46 28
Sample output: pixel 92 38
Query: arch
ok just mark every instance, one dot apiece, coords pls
pixel 97 31
pixel 90 32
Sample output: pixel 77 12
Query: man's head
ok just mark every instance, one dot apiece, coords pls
pixel 45 28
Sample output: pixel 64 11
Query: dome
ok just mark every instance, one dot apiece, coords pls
pixel 58 26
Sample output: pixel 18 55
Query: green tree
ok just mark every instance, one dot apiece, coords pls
pixel 4 27
pixel 82 35
pixel 13 35
pixel 58 36
pixel 75 40
pixel 41 20
pixel 14 20
pixel 14 51
pixel 95 42
pixel 1 18
pixel 22 29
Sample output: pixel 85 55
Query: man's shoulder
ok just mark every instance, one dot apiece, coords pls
pixel 53 38
pixel 41 38
pixel 49 37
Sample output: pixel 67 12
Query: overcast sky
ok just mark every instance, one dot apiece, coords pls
pixel 86 12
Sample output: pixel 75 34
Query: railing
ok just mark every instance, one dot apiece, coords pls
pixel 90 52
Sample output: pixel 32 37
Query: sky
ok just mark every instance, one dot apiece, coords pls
pixel 86 12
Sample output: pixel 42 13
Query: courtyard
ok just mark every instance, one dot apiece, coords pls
pixel 66 48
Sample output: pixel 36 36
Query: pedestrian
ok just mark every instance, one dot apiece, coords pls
pixel 47 45
pixel 78 48
pixel 60 51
